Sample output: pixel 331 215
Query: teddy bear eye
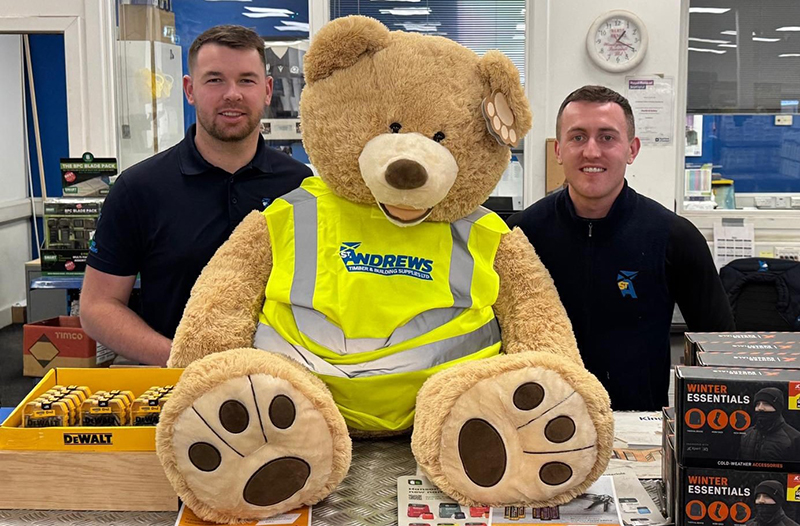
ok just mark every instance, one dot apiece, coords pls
pixel 438 136
pixel 395 127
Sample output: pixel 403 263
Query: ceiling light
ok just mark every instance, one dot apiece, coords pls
pixel 709 41
pixel 428 27
pixel 292 26
pixel 269 11
pixel 786 55
pixel 788 28
pixel 406 11
pixel 727 45
pixel 729 32
pixel 715 51
pixel 761 39
pixel 709 10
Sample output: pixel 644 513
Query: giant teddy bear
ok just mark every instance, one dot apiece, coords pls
pixel 381 297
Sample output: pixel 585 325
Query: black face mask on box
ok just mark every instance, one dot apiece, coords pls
pixel 766 419
pixel 767 513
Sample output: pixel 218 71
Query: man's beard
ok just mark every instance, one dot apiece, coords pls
pixel 231 134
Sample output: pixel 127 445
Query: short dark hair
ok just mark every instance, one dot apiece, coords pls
pixel 599 94
pixel 236 37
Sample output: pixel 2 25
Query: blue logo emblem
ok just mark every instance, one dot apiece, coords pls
pixel 625 282
pixel 763 266
pixel 265 201
pixel 384 264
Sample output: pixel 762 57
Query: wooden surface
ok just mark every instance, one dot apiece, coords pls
pixel 58 480
pixel 554 172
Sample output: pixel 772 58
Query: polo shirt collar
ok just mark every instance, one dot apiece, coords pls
pixel 621 209
pixel 192 163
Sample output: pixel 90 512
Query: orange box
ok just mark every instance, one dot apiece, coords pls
pixel 59 342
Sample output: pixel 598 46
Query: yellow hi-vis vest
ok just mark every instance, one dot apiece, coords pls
pixel 375 309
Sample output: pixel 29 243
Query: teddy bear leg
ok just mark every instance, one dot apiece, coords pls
pixel 525 429
pixel 249 434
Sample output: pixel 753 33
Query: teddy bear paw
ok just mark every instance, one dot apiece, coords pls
pixel 525 436
pixel 251 447
pixel 500 119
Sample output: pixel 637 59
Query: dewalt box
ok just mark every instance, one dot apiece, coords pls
pixel 726 497
pixel 59 342
pixel 722 418
pixel 85 468
pixel 728 341
pixel 758 358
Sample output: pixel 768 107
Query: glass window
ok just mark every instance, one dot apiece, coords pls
pixel 742 137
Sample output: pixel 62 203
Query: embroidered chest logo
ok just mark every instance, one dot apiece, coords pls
pixel 384 264
pixel 625 282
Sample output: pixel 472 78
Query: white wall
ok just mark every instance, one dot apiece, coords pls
pixel 558 64
pixel 14 230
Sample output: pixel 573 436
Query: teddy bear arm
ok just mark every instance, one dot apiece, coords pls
pixel 528 308
pixel 222 311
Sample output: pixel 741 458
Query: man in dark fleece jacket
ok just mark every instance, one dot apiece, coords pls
pixel 768 510
pixel 620 261
pixel 771 438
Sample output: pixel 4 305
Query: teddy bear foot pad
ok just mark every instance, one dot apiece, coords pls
pixel 523 436
pixel 252 447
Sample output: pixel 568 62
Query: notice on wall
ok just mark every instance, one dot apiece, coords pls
pixel 652 99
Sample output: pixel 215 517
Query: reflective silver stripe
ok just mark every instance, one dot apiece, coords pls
pixel 415 359
pixel 462 264
pixel 304 209
pixel 317 327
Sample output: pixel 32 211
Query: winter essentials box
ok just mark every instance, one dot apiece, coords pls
pixel 729 341
pixel 726 497
pixel 737 418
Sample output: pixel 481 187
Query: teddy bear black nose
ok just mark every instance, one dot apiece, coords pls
pixel 405 174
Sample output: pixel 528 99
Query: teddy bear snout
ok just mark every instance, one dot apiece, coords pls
pixel 405 174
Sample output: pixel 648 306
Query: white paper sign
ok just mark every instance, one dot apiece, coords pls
pixel 651 100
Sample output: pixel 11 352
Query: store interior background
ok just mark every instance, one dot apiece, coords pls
pixel 740 88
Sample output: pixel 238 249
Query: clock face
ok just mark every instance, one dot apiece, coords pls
pixel 617 41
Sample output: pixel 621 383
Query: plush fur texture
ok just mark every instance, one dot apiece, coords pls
pixel 222 311
pixel 361 79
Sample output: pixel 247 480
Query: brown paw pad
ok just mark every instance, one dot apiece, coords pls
pixel 500 119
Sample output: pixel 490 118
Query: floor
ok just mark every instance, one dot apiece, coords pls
pixel 14 386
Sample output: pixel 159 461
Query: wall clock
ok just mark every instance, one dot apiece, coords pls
pixel 617 41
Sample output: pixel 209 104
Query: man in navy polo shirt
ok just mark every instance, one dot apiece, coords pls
pixel 165 217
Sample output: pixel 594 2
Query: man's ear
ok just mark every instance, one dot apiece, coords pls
pixel 635 146
pixel 505 107
pixel 188 89
pixel 341 43
pixel 269 83
pixel 558 152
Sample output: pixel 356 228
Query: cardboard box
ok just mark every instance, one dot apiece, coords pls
pixel 85 468
pixel 715 414
pixel 669 467
pixel 758 359
pixel 146 22
pixel 19 313
pixel 727 497
pixel 59 342
pixel 725 340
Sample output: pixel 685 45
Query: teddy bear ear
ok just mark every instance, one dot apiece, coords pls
pixel 340 43
pixel 505 108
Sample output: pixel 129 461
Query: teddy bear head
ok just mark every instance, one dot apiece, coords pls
pixel 417 125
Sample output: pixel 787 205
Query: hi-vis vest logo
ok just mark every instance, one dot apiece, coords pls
pixel 385 264
pixel 625 282
pixel 87 439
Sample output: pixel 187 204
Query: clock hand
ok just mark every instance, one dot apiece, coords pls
pixel 622 35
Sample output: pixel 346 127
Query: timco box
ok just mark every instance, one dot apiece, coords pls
pixel 726 497
pixel 724 341
pixel 723 418
pixel 59 342
pixel 758 358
